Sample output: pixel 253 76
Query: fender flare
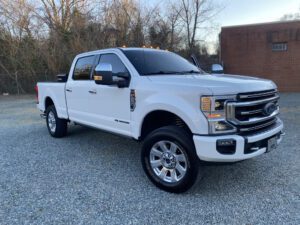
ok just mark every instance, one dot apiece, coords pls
pixel 188 114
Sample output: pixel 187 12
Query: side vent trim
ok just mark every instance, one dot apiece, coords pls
pixel 132 100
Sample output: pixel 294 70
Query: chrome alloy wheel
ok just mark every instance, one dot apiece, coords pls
pixel 51 121
pixel 168 161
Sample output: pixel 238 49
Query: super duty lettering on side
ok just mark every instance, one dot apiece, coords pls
pixel 181 114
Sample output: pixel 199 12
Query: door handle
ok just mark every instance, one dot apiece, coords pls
pixel 69 90
pixel 93 92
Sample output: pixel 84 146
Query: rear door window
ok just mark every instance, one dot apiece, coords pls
pixel 83 68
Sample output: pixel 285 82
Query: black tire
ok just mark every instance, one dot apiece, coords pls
pixel 181 138
pixel 61 125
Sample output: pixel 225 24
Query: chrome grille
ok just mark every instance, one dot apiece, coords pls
pixel 251 96
pixel 249 112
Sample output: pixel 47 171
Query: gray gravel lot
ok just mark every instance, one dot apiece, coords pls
pixel 91 177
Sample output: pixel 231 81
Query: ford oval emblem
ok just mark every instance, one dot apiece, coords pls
pixel 269 109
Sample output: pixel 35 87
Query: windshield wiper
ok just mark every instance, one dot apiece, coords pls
pixel 190 71
pixel 162 72
pixel 173 72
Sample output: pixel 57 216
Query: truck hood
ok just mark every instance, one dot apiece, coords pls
pixel 219 84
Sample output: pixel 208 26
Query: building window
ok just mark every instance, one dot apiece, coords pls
pixel 279 47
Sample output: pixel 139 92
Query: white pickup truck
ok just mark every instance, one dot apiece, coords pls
pixel 180 113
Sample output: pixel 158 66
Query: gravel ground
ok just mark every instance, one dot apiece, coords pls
pixel 91 177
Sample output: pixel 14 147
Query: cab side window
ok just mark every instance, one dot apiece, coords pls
pixel 118 68
pixel 83 68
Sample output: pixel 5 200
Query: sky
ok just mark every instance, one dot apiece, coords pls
pixel 238 12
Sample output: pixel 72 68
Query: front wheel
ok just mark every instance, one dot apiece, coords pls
pixel 57 127
pixel 170 160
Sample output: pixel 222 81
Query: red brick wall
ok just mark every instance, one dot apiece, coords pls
pixel 247 50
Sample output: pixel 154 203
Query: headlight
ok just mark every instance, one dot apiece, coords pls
pixel 213 108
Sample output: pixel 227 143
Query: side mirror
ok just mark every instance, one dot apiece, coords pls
pixel 217 68
pixel 103 74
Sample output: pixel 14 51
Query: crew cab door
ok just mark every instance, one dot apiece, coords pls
pixel 77 90
pixel 109 105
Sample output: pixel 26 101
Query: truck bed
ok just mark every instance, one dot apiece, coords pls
pixel 55 91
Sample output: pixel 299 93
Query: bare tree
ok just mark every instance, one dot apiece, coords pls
pixel 57 14
pixel 39 38
pixel 16 17
pixel 193 14
pixel 173 16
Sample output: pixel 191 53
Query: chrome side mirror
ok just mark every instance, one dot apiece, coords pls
pixel 103 74
pixel 217 68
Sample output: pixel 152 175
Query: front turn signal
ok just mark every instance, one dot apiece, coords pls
pixel 206 104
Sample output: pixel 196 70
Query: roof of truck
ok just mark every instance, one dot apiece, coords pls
pixel 122 49
pixel 141 49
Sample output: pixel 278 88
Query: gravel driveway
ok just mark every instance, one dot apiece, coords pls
pixel 91 177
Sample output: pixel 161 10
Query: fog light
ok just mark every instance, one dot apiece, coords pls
pixel 219 126
pixel 222 126
pixel 226 146
pixel 225 142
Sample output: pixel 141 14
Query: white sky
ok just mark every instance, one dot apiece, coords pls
pixel 254 11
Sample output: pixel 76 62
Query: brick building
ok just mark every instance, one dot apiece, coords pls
pixel 269 50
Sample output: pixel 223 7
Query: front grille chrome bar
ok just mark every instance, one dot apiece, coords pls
pixel 253 120
pixel 258 126
pixel 245 113
pixel 257 95
pixel 257 102
pixel 231 111
pixel 248 112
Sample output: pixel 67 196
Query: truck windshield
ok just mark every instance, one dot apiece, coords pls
pixel 148 62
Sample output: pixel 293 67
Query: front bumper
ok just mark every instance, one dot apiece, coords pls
pixel 206 146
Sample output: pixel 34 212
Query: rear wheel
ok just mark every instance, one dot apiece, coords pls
pixel 169 159
pixel 57 127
